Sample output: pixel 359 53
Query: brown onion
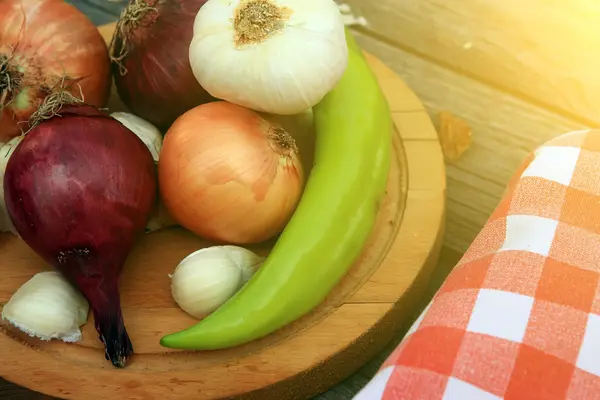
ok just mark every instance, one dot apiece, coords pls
pixel 79 189
pixel 229 175
pixel 47 44
pixel 151 65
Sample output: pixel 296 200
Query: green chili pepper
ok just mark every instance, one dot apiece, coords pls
pixel 330 226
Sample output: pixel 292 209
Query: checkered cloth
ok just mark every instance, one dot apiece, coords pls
pixel 519 316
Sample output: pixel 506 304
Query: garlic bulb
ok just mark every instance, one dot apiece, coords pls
pixel 275 56
pixel 6 151
pixel 149 134
pixel 48 307
pixel 207 278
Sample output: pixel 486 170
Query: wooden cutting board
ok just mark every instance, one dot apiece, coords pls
pixel 309 356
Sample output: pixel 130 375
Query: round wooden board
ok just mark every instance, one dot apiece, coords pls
pixel 359 317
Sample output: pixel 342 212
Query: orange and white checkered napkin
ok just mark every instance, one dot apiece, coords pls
pixel 519 316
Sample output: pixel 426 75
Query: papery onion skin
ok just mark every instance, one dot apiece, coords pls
pixel 48 40
pixel 79 189
pixel 154 79
pixel 223 179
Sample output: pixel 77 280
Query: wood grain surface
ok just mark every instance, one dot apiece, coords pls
pixel 538 50
pixel 375 299
pixel 505 130
pixel 519 73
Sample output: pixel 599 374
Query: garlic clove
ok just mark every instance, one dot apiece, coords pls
pixel 148 133
pixel 48 307
pixel 207 278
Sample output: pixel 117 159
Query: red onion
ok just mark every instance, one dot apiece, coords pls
pixel 151 65
pixel 79 189
pixel 47 44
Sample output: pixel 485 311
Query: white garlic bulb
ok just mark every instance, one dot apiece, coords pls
pixel 6 151
pixel 207 278
pixel 143 129
pixel 48 307
pixel 275 56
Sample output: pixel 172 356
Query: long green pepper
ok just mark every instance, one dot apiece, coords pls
pixel 330 226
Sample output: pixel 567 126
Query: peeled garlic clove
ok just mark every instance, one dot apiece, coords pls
pixel 148 133
pixel 48 307
pixel 207 278
pixel 6 150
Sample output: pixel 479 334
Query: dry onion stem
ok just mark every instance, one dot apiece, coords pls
pixel 129 19
pixel 281 141
pixel 50 107
pixel 454 135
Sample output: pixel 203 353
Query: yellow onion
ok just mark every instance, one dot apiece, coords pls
pixel 229 175
pixel 47 45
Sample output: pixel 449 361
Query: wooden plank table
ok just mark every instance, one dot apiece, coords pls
pixel 519 73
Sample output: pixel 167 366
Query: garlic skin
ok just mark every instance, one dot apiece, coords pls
pixel 274 56
pixel 6 150
pixel 48 307
pixel 207 278
pixel 149 134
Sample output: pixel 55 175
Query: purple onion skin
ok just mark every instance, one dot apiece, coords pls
pixel 79 189
pixel 159 84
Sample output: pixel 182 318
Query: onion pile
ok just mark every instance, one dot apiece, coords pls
pixel 45 45
pixel 79 189
pixel 229 175
pixel 151 67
